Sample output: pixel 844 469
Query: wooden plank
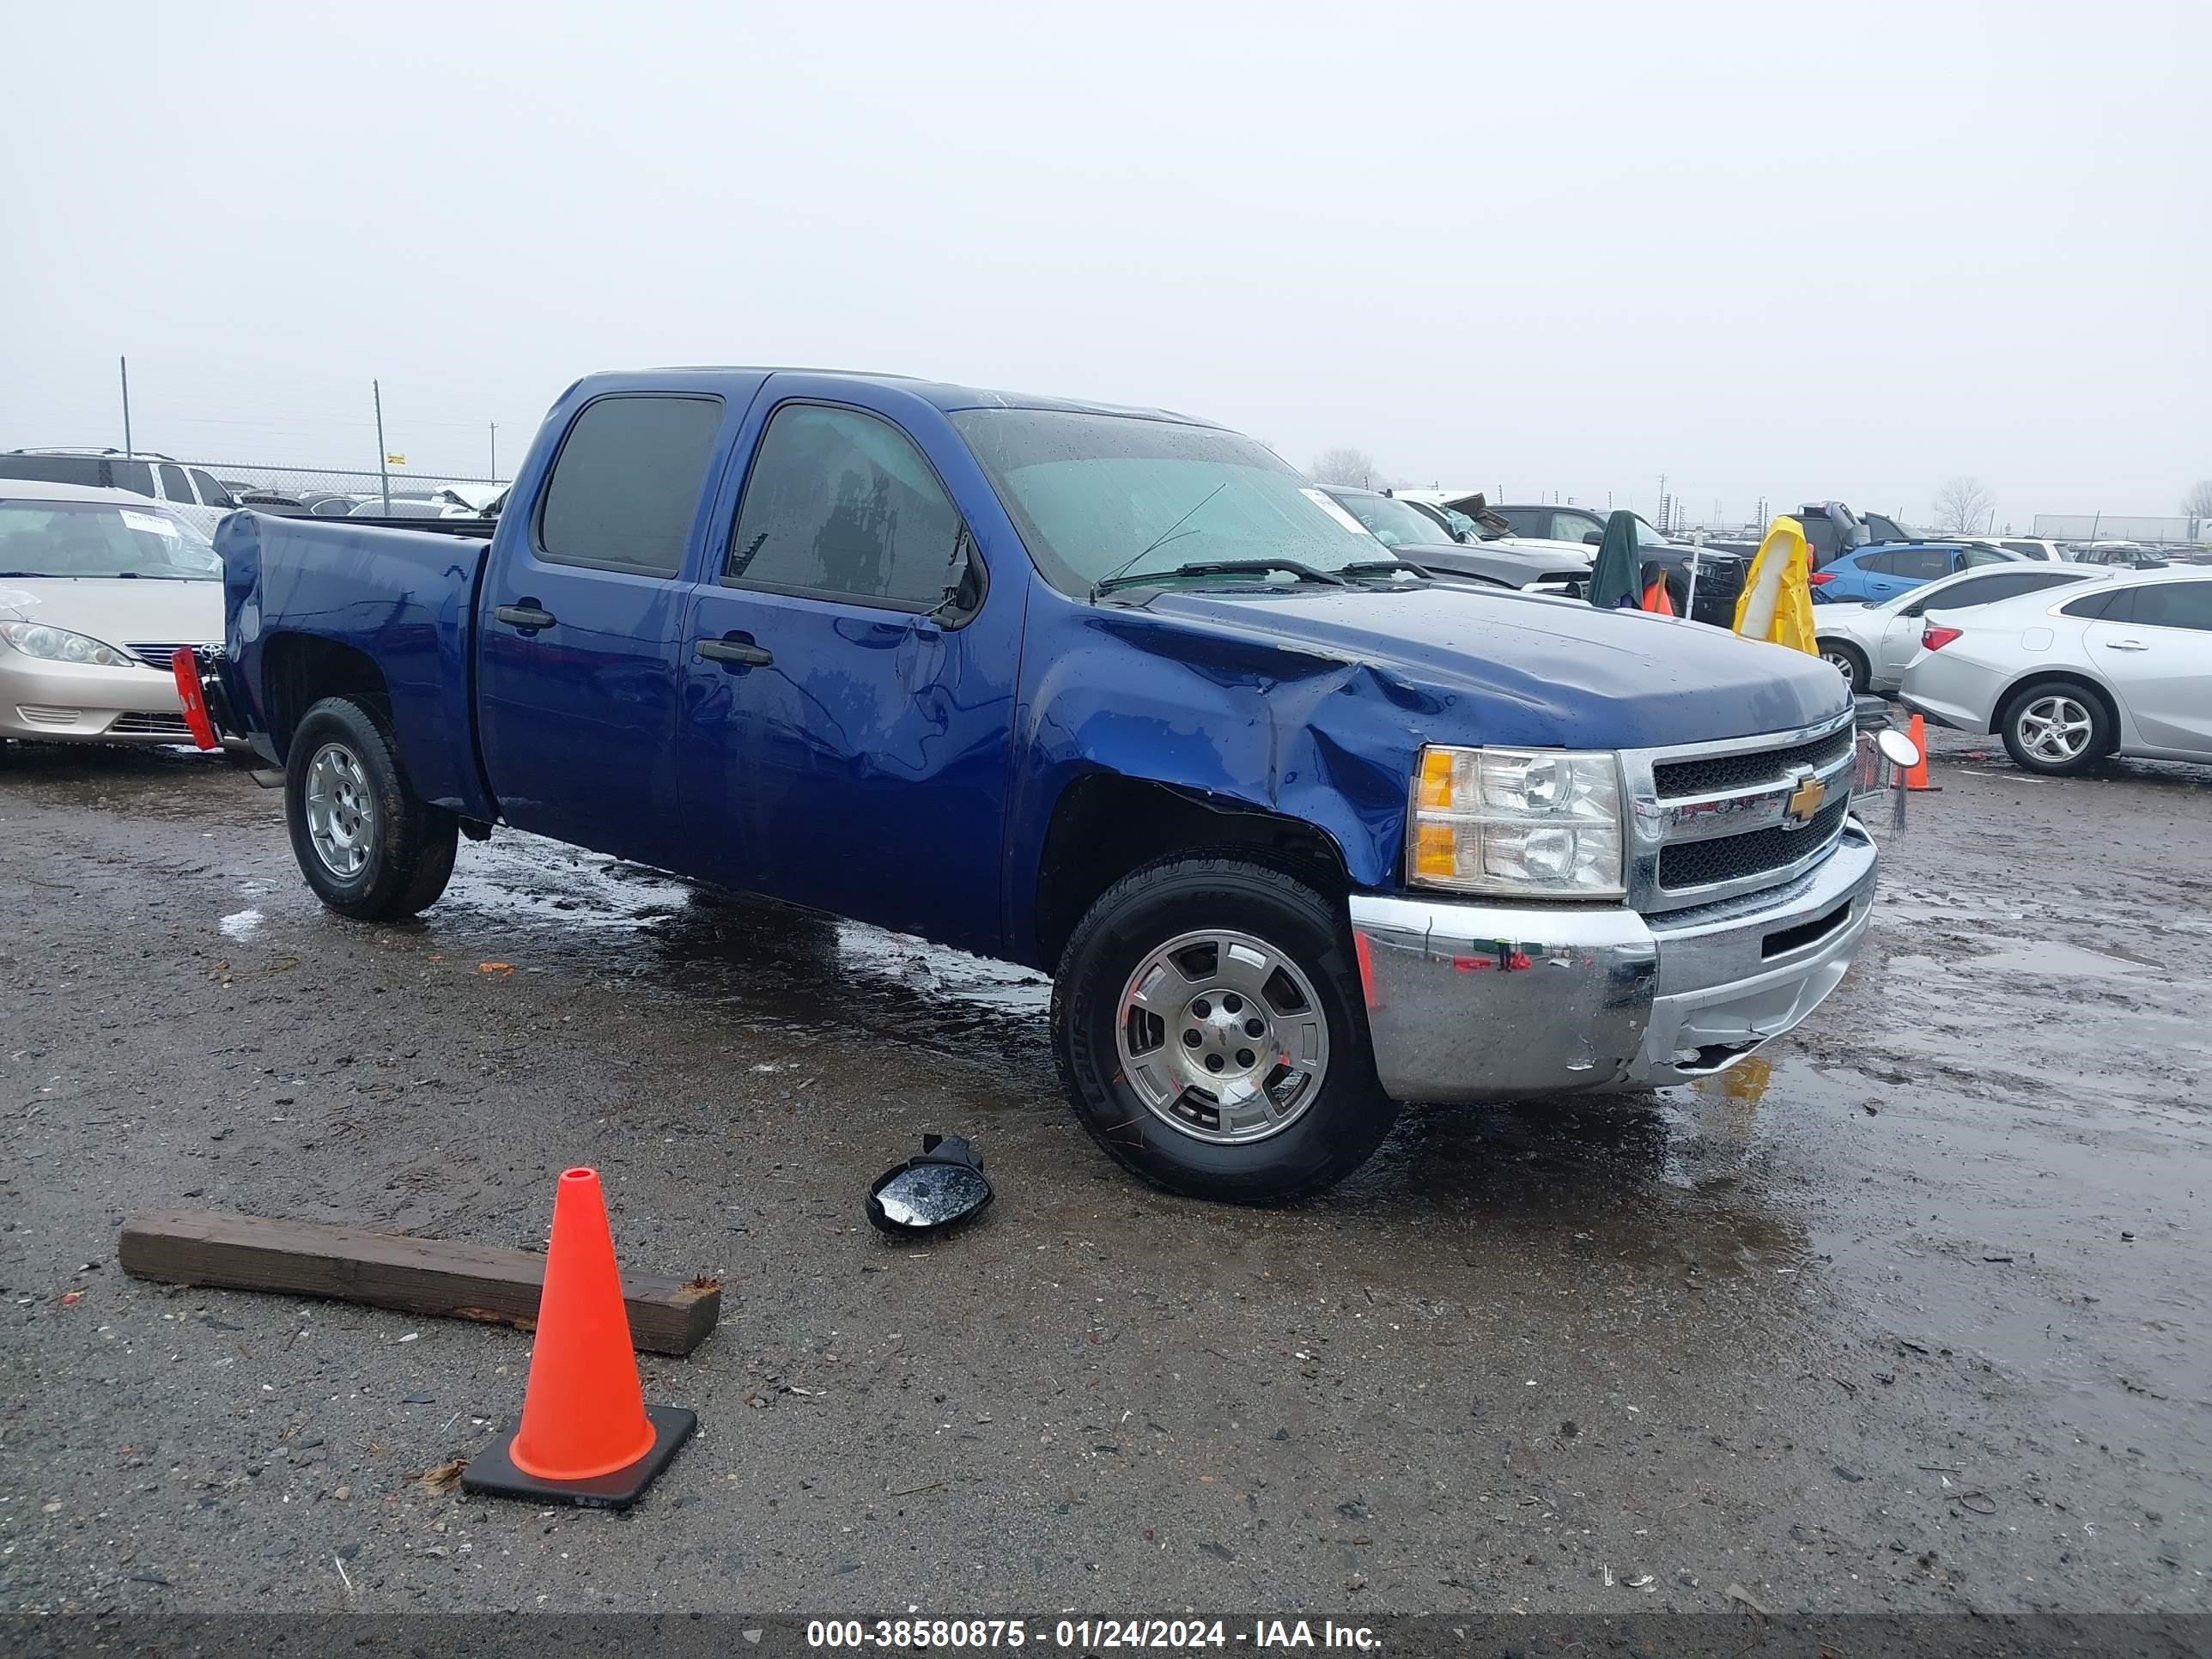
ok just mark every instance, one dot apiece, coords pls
pixel 394 1270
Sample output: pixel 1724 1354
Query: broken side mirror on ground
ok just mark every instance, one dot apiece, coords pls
pixel 927 1195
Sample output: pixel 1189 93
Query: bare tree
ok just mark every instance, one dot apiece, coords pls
pixel 2197 503
pixel 1961 505
pixel 1352 467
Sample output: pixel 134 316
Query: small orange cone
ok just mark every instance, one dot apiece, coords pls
pixel 586 1435
pixel 1915 776
pixel 1656 599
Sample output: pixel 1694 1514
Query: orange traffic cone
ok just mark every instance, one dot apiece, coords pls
pixel 1915 776
pixel 586 1436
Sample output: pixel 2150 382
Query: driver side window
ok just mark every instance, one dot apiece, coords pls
pixel 840 504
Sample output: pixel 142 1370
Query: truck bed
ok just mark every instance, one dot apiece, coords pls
pixel 394 606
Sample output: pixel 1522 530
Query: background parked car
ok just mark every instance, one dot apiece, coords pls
pixel 193 492
pixel 98 588
pixel 1719 573
pixel 1874 573
pixel 1870 644
pixel 2124 668
pixel 1414 536
pixel 2131 555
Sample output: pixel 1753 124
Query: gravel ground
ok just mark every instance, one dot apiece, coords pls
pixel 1909 1313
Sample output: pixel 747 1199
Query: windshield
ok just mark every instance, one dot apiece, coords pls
pixel 1097 495
pixel 93 538
pixel 1391 522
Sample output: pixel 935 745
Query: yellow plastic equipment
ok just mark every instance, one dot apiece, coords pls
pixel 1777 604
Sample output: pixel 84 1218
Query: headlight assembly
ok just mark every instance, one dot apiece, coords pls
pixel 59 645
pixel 1517 823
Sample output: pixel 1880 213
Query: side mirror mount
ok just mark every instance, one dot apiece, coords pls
pixel 963 583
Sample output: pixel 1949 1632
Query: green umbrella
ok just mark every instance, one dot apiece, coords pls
pixel 1612 578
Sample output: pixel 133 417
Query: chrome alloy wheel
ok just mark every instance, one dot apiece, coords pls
pixel 2055 728
pixel 341 811
pixel 1223 1037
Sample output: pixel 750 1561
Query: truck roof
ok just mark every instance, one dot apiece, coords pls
pixel 944 395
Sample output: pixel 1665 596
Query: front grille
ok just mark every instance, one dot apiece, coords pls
pixel 159 655
pixel 148 725
pixel 1674 778
pixel 1733 857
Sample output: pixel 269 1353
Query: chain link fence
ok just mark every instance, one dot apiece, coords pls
pixel 333 492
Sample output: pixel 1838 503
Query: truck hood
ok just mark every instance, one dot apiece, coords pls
pixel 143 611
pixel 1514 668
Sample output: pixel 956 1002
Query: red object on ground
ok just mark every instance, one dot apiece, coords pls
pixel 583 1414
pixel 186 667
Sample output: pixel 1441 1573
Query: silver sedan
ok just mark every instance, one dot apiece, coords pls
pixel 2117 667
pixel 1870 644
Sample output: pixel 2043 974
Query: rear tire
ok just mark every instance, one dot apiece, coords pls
pixel 1293 1104
pixel 368 847
pixel 2058 729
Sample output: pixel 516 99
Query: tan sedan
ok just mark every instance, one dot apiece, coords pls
pixel 98 587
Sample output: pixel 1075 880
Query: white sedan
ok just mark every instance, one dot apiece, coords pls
pixel 1870 644
pixel 2122 667
pixel 98 588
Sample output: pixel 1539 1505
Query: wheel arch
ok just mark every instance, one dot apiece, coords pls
pixel 300 670
pixel 2114 710
pixel 1105 825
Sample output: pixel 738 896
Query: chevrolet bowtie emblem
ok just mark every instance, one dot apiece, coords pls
pixel 1804 801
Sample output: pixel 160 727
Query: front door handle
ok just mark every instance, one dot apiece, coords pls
pixel 524 615
pixel 744 653
pixel 2125 645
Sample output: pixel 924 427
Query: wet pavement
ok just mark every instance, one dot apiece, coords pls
pixel 1909 1313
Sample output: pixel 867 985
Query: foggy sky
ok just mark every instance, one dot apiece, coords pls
pixel 1802 253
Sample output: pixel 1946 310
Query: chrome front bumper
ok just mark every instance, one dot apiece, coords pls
pixel 1489 1002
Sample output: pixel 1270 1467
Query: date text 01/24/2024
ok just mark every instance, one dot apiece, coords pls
pixel 1092 1635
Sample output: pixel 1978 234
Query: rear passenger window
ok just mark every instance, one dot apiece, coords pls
pixel 136 476
pixel 174 485
pixel 626 485
pixel 841 504
pixel 2107 606
pixel 2175 605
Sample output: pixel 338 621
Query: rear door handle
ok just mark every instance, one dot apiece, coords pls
pixel 742 651
pixel 524 615
pixel 2125 645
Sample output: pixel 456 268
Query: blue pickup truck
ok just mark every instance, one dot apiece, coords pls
pixel 1300 832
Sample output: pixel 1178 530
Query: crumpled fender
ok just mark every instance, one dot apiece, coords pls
pixel 1282 727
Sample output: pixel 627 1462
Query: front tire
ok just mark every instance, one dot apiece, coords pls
pixel 368 846
pixel 2056 729
pixel 1211 1029
pixel 1848 661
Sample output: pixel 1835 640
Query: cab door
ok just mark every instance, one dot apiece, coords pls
pixel 848 673
pixel 580 628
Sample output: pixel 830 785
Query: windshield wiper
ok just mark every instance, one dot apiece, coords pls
pixel 1380 567
pixel 1305 573
pixel 1160 540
